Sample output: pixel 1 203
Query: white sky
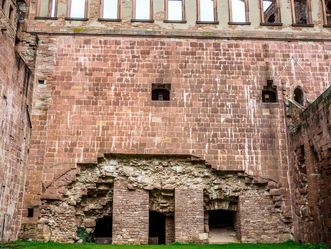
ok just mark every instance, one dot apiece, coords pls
pixel 143 9
pixel 175 10
pixel 238 11
pixel 110 9
pixel 77 8
pixel 207 10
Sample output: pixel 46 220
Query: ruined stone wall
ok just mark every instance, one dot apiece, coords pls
pixel 128 184
pixel 96 99
pixel 310 160
pixel 15 124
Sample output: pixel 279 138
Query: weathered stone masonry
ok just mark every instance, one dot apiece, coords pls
pixel 132 178
pixel 310 143
pixel 16 81
pixel 92 96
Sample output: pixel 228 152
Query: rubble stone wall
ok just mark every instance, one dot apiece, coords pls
pixel 310 146
pixel 127 187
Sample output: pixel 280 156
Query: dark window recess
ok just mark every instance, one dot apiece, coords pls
pixel 299 95
pixel 2 192
pixel 156 228
pixel 301 11
pixel 30 212
pixel 161 92
pixel 27 75
pixel 41 82
pixel 270 11
pixel 103 227
pixel 269 92
pixel 328 11
pixel 11 12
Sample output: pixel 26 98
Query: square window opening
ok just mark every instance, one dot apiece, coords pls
pixel 47 8
pixel 161 92
pixel 238 11
pixel 270 11
pixel 78 9
pixel 175 10
pixel 30 212
pixel 207 10
pixel 110 9
pixel 143 10
pixel 301 12
pixel 269 93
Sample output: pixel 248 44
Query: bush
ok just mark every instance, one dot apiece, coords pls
pixel 83 235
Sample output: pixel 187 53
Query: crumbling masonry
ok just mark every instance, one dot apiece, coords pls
pixel 188 122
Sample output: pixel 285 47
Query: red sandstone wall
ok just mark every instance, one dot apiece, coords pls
pixel 310 161
pixel 14 136
pixel 97 99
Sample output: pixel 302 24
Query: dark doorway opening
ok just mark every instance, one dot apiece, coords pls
pixel 103 230
pixel 156 228
pixel 222 226
pixel 221 218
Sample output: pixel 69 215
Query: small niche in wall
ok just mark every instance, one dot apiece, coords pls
pixel 161 92
pixel 299 95
pixel 30 212
pixel 269 92
pixel 41 82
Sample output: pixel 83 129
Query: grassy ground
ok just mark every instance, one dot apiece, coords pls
pixel 37 245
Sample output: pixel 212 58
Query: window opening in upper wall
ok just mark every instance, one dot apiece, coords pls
pixel 110 9
pixel 207 11
pixel 161 92
pixel 78 9
pixel 269 93
pixel 143 10
pixel 30 212
pixel 270 11
pixel 27 76
pixel 299 95
pixel 3 4
pixel 11 13
pixel 238 11
pixel 47 8
pixel 301 12
pixel 327 12
pixel 175 10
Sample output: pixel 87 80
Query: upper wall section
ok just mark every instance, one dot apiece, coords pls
pixel 262 19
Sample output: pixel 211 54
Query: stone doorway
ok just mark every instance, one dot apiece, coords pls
pixel 222 226
pixel 157 228
pixel 103 230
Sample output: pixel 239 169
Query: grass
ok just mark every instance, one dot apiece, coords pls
pixel 51 245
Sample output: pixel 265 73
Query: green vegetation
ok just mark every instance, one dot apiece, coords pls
pixel 51 245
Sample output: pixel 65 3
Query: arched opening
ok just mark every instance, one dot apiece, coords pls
pixel 298 95
pixel 156 228
pixel 161 92
pixel 103 230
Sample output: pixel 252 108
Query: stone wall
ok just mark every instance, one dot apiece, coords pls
pixel 310 145
pixel 144 183
pixel 130 215
pixel 96 99
pixel 189 215
pixel 15 124
pixel 189 27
